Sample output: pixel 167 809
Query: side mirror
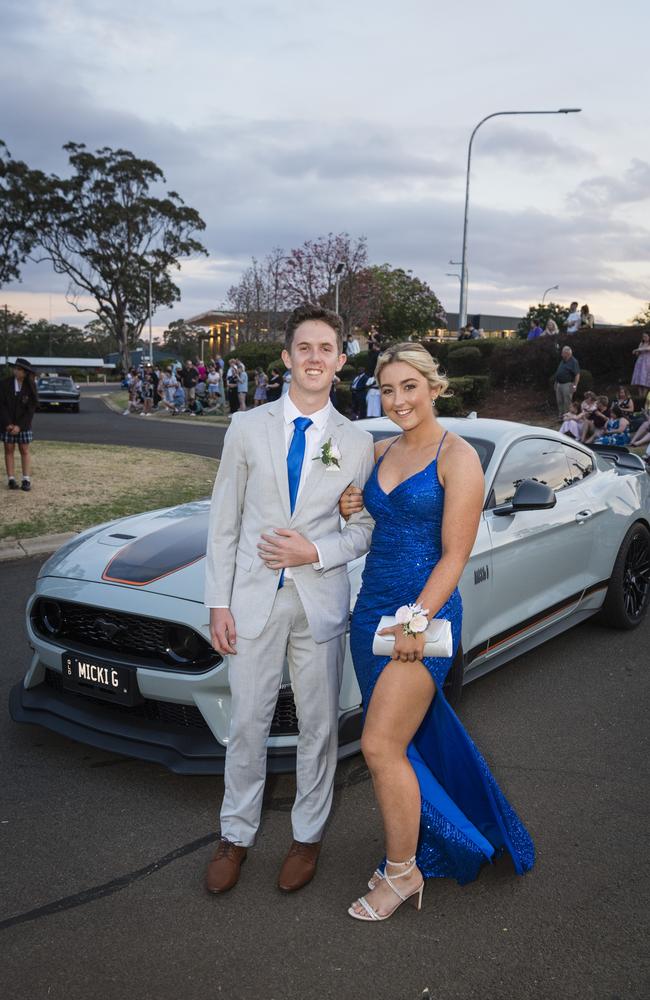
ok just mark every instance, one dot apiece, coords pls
pixel 529 495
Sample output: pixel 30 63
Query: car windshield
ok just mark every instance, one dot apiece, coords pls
pixel 55 383
pixel 484 449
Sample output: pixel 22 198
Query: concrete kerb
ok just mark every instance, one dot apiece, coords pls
pixel 25 548
pixel 213 421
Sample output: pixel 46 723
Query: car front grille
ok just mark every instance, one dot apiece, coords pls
pixel 152 641
pixel 285 721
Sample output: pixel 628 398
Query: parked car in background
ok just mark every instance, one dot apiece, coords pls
pixel 121 653
pixel 57 392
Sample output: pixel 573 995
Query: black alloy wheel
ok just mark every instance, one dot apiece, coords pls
pixel 628 594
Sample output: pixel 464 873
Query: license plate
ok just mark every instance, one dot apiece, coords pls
pixel 100 680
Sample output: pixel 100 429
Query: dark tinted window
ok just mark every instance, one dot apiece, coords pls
pixel 484 449
pixel 580 464
pixel 534 458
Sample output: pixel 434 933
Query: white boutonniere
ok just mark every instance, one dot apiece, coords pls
pixel 330 456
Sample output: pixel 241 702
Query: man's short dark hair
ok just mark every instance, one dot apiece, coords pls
pixel 310 311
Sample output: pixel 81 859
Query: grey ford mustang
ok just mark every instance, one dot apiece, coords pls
pixel 121 657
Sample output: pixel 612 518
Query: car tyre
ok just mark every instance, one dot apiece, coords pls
pixel 75 407
pixel 453 686
pixel 628 594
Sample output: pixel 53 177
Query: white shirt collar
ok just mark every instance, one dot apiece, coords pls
pixel 319 418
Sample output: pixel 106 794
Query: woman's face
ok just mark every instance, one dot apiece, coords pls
pixel 19 373
pixel 622 393
pixel 406 395
pixel 645 338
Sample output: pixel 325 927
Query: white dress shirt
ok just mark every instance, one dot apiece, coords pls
pixel 313 440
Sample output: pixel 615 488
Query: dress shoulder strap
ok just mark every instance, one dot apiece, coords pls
pixel 439 446
pixel 383 454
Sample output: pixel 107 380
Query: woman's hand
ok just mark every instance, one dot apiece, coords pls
pixel 351 501
pixel 407 648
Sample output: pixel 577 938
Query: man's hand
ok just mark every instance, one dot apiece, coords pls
pixel 286 548
pixel 13 429
pixel 223 633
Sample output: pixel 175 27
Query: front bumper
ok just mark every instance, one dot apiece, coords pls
pixel 174 735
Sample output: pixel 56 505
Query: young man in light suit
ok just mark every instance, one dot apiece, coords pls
pixel 277 586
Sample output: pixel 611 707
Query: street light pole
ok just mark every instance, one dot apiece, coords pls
pixel 462 309
pixel 150 328
pixel 553 288
pixel 338 270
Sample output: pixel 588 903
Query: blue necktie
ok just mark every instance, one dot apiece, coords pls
pixel 295 458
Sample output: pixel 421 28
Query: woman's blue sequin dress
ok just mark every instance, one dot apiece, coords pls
pixel 466 820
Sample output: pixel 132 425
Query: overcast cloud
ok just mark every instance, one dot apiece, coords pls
pixel 283 121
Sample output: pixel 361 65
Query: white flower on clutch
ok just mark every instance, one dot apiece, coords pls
pixel 330 456
pixel 403 614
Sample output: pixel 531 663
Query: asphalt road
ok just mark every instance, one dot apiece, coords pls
pixel 103 858
pixel 97 424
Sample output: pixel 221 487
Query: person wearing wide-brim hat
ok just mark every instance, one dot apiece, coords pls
pixel 18 399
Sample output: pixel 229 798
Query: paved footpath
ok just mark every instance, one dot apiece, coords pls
pixel 103 858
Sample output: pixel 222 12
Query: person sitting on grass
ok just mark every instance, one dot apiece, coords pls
pixel 617 429
pixel 624 401
pixel 596 422
pixel 571 422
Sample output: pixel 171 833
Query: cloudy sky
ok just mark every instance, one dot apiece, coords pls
pixel 280 121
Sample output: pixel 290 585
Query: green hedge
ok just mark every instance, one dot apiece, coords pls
pixel 257 355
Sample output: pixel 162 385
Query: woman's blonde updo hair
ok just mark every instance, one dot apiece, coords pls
pixel 419 358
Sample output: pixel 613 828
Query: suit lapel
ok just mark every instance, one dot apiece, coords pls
pixel 333 430
pixel 278 451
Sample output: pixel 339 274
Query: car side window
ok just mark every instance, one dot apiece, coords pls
pixel 535 458
pixel 580 464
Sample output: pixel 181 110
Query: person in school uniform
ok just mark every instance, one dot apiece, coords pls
pixel 18 400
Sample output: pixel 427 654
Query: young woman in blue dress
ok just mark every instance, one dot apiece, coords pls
pixel 442 811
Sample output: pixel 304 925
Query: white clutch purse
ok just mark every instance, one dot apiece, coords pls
pixel 438 638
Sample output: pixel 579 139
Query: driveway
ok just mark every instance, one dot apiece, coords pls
pixel 104 858
pixel 97 424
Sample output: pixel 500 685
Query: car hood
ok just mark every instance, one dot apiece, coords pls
pixel 161 551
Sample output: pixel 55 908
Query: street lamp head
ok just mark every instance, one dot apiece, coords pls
pixel 339 268
pixel 568 111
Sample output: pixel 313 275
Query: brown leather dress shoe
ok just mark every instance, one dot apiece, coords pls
pixel 223 870
pixel 299 866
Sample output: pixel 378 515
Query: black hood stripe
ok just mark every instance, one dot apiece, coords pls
pixel 160 553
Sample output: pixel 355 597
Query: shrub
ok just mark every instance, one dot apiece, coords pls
pixel 276 363
pixel 256 355
pixel 465 360
pixel 347 373
pixel 452 406
pixel 344 399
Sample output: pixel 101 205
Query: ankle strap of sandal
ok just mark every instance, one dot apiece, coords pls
pixel 407 865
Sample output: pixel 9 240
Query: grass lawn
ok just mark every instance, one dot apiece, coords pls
pixel 76 485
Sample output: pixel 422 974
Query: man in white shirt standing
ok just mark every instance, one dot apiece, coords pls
pixel 277 587
pixel 572 322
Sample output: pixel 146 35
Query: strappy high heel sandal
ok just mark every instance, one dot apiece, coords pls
pixel 415 896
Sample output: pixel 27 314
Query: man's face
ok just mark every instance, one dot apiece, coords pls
pixel 314 358
pixel 566 353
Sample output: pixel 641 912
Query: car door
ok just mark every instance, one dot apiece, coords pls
pixel 539 557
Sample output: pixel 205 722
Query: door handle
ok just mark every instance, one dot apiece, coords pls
pixel 584 515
